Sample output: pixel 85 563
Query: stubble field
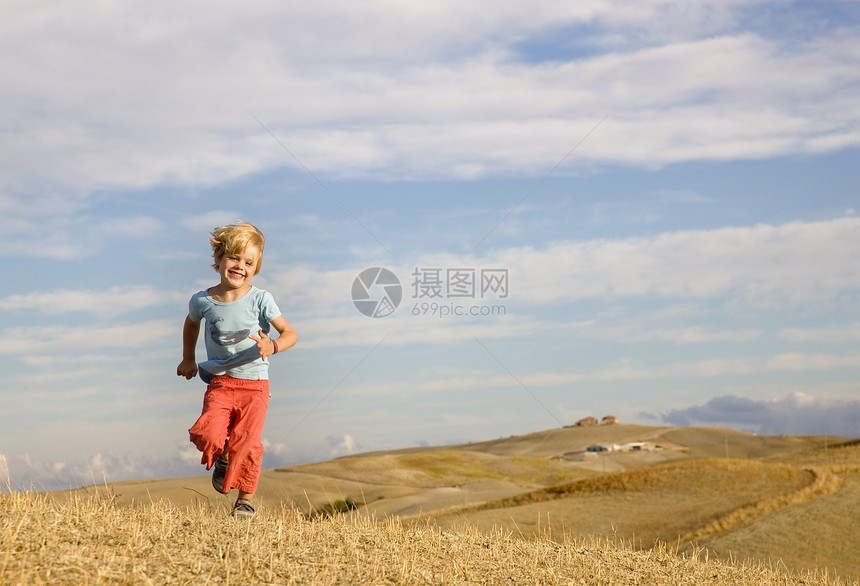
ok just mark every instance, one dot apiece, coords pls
pixel 697 507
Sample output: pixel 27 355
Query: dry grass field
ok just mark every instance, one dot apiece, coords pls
pixel 696 506
pixel 92 540
pixel 648 505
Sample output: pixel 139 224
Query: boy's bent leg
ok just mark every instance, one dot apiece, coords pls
pixel 210 431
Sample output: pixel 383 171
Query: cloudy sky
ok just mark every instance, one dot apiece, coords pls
pixel 643 209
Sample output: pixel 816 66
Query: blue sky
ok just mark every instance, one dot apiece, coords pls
pixel 670 188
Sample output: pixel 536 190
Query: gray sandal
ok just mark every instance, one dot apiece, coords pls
pixel 243 508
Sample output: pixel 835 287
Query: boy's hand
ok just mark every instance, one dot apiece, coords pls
pixel 264 344
pixel 187 368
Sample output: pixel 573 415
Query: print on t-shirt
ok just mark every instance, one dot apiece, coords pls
pixel 225 338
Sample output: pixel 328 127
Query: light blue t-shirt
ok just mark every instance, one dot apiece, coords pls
pixel 229 350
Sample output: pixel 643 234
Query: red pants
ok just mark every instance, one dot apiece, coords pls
pixel 236 409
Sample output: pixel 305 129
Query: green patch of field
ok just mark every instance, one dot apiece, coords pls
pixel 448 467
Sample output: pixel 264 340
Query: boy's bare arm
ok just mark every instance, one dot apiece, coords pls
pixel 188 366
pixel 287 338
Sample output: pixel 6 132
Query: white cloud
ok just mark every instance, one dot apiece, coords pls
pixel 796 361
pixel 621 369
pixel 358 89
pixel 135 227
pixel 849 333
pixel 681 196
pixel 761 264
pixel 634 333
pixel 46 226
pixel 65 340
pixel 341 445
pixel 408 329
pixel 28 473
pixel 211 219
pixel 273 449
pixel 108 303
pixel 332 446
pixel 190 454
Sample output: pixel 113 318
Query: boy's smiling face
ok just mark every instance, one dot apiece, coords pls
pixel 237 270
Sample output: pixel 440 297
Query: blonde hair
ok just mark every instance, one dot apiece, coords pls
pixel 234 239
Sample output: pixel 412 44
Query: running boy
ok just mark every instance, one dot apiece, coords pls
pixel 229 431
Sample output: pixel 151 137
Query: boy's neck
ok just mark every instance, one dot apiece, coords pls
pixel 227 295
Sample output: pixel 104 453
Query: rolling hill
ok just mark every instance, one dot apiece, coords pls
pixel 789 501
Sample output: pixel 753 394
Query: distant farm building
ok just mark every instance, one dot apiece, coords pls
pixel 589 421
pixel 628 447
pixel 608 449
pixel 637 446
pixel 603 448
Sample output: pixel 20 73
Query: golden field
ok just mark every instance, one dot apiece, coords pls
pixel 687 506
